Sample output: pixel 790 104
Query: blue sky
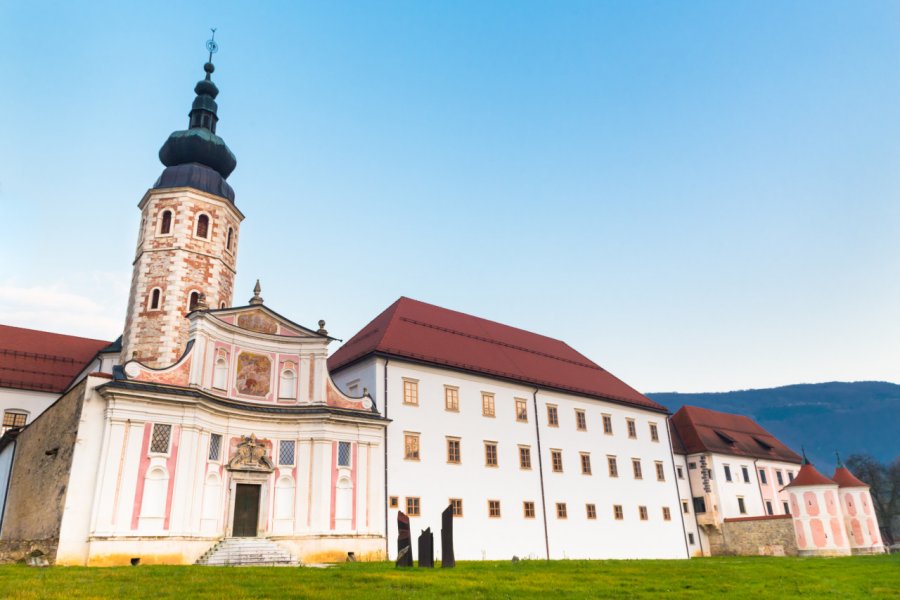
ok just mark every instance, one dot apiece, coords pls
pixel 698 196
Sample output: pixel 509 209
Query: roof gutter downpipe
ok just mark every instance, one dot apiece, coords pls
pixel 759 485
pixel 537 430
pixel 387 500
pixel 687 548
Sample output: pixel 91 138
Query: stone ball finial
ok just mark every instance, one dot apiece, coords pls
pixel 256 299
pixel 209 67
pixel 322 330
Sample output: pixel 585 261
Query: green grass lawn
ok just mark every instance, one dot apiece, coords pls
pixel 756 577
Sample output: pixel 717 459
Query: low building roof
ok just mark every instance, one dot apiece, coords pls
pixel 43 361
pixel 844 478
pixel 704 430
pixel 429 334
pixel 809 475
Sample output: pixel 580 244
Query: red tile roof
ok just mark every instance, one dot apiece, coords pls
pixel 704 430
pixel 430 334
pixel 809 475
pixel 43 361
pixel 844 478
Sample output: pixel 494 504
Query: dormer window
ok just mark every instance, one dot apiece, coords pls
pixel 203 226
pixel 165 223
pixel 726 438
pixel 764 445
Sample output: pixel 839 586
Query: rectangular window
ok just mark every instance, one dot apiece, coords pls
pixel 286 453
pixel 787 510
pixel 490 454
pixel 680 472
pixel 585 463
pixel 691 539
pixel 642 512
pixel 607 424
pixel 561 512
pixel 528 509
pixel 636 467
pixel 654 433
pixel 159 439
pixel 660 472
pixel 556 460
pixel 741 507
pixel 580 420
pixel 632 429
pixel 667 514
pixel 451 398
pixel 684 507
pixel 487 404
pixel 453 454
pixel 591 511
pixel 395 502
pixel 790 476
pixel 413 507
pixel 344 457
pixel 552 416
pixel 769 510
pixel 521 410
pixel 411 391
pixel 692 466
pixel 727 473
pixel 524 457
pixel 215 446
pixel 13 419
pixel 779 477
pixel 613 466
pixel 699 505
pixel 618 513
pixel 762 476
pixel 494 509
pixel 411 446
pixel 745 474
pixel 456 507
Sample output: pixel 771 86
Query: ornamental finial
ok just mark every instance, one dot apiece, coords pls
pixel 840 465
pixel 256 299
pixel 803 451
pixel 322 330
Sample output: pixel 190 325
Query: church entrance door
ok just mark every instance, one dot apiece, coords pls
pixel 246 510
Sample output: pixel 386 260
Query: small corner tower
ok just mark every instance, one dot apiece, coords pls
pixel 187 243
pixel 859 514
pixel 818 522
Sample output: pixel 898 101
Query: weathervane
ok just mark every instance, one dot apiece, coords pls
pixel 211 44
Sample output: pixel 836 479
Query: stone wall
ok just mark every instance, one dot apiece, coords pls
pixel 756 536
pixel 40 480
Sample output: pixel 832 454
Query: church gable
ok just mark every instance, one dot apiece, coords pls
pixel 261 319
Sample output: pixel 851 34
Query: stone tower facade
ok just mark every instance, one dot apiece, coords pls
pixel 187 243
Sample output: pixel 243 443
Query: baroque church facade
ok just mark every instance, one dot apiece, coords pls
pixel 209 421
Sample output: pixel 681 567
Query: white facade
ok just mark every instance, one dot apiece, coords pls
pixel 27 403
pixel 434 480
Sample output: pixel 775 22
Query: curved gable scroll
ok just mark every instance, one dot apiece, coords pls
pixel 335 397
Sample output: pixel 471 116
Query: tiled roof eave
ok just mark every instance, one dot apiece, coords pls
pixel 420 359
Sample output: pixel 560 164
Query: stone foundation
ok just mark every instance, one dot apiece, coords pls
pixel 755 536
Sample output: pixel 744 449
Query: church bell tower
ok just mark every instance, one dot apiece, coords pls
pixel 187 243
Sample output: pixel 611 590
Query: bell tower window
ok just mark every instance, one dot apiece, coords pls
pixel 203 226
pixel 228 239
pixel 155 297
pixel 194 301
pixel 165 225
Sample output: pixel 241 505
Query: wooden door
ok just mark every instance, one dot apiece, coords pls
pixel 246 510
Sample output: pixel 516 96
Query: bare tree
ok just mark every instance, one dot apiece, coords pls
pixel 884 483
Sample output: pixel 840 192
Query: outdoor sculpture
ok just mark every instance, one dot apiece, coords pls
pixel 447 558
pixel 426 549
pixel 404 541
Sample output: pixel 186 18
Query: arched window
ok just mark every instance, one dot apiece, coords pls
pixel 155 299
pixel 14 418
pixel 153 504
pixel 343 506
pixel 228 240
pixel 220 373
pixel 221 305
pixel 194 300
pixel 165 226
pixel 203 226
pixel 287 385
pixel 284 498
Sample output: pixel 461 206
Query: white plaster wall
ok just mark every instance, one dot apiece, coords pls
pixel 685 495
pixel 476 535
pixel 31 402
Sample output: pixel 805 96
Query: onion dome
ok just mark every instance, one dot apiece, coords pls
pixel 844 478
pixel 196 157
pixel 809 475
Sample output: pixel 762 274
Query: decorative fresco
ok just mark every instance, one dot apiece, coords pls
pixel 257 321
pixel 254 372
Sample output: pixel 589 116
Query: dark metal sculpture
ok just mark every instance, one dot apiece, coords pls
pixel 448 560
pixel 404 541
pixel 426 549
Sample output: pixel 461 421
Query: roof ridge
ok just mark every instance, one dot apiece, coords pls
pixel 504 344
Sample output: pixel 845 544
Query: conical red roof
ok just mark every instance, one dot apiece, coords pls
pixel 809 475
pixel 844 478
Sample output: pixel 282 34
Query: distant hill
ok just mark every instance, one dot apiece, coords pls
pixel 862 416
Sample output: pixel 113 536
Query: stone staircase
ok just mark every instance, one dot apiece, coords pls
pixel 245 552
